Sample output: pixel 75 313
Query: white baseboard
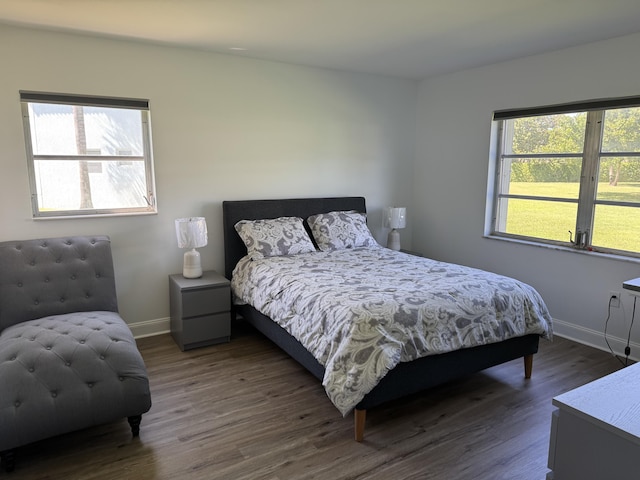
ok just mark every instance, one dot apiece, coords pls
pixel 148 328
pixel 587 336
pixel 594 338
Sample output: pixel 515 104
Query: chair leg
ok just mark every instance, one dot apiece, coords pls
pixel 135 424
pixel 8 458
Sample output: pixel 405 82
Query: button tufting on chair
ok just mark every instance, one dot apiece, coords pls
pixel 62 304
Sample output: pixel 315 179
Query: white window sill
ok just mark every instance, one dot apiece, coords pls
pixel 96 215
pixel 609 256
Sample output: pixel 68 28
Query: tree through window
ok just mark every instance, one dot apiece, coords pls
pixel 570 175
pixel 88 155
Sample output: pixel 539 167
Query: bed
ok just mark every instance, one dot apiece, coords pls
pixel 404 377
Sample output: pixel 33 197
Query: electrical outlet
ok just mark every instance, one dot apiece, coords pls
pixel 614 299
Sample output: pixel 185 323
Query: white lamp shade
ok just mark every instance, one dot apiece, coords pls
pixel 191 232
pixel 395 217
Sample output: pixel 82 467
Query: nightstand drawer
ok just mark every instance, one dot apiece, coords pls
pixel 200 310
pixel 209 327
pixel 205 301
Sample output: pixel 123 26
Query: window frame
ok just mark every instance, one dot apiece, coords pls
pixel 591 156
pixel 141 105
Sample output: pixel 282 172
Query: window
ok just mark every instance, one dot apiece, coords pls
pixel 570 175
pixel 88 155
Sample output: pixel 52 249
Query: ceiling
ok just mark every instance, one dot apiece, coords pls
pixel 403 38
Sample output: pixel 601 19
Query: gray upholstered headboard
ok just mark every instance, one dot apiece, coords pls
pixel 54 276
pixel 234 211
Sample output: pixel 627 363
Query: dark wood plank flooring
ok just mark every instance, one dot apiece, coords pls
pixel 244 410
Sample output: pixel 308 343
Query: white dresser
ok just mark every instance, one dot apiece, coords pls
pixel 595 431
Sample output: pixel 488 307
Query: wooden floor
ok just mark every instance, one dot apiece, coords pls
pixel 244 410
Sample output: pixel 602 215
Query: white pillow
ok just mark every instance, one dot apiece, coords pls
pixel 274 237
pixel 340 230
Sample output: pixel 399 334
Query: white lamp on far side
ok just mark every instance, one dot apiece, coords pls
pixel 191 232
pixel 394 218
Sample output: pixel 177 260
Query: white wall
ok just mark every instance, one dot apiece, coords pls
pixel 450 179
pixel 224 127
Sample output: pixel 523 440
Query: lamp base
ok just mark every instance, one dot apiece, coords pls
pixel 393 240
pixel 192 268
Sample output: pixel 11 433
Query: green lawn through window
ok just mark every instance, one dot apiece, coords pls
pixel 615 227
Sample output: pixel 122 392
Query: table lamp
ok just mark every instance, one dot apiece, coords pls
pixel 191 232
pixel 394 218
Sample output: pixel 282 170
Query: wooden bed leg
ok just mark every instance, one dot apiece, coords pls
pixel 359 417
pixel 528 365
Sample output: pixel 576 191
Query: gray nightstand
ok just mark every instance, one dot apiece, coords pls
pixel 200 310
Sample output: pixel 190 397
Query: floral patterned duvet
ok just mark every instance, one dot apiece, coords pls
pixel 362 311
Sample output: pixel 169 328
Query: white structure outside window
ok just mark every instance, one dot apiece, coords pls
pixel 568 175
pixel 88 155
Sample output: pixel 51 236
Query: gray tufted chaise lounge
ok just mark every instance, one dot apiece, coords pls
pixel 67 359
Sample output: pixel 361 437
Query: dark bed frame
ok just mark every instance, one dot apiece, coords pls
pixel 405 378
